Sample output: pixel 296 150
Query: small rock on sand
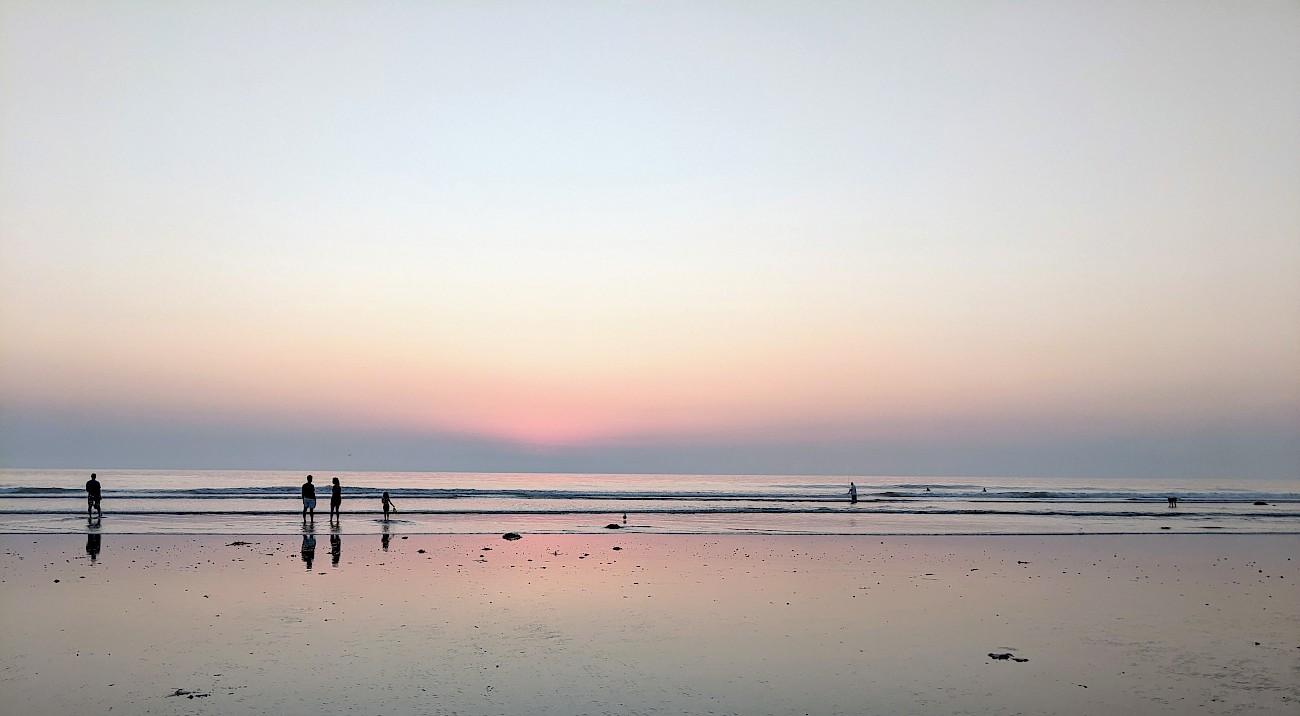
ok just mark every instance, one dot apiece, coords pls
pixel 612 526
pixel 511 535
pixel 1006 656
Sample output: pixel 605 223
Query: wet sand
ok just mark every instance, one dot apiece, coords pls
pixel 568 624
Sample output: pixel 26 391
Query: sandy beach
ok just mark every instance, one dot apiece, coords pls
pixel 639 624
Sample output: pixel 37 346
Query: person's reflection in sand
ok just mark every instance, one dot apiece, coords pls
pixel 92 546
pixel 386 537
pixel 336 548
pixel 308 546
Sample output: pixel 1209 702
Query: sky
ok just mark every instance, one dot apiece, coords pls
pixel 854 238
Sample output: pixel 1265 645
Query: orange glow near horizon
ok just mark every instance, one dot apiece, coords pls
pixel 735 387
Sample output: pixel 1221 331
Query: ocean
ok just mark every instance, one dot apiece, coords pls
pixel 267 502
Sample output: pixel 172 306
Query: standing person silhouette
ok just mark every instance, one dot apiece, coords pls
pixel 308 500
pixel 93 497
pixel 336 499
pixel 853 493
pixel 388 505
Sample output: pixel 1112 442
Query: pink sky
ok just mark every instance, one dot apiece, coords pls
pixel 829 225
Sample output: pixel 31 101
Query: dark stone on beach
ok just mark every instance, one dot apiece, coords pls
pixel 511 535
pixel 1007 656
pixel 1165 527
pixel 420 551
pixel 239 544
pixel 616 548
pixel 612 526
pixel 1261 502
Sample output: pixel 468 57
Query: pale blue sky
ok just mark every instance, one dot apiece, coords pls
pixel 711 225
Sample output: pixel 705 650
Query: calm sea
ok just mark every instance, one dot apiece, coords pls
pixel 266 502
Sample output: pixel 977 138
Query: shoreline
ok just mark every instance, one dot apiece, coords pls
pixel 863 524
pixel 566 624
pixel 266 502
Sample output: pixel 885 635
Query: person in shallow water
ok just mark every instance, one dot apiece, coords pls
pixel 93 496
pixel 336 499
pixel 388 505
pixel 853 493
pixel 308 500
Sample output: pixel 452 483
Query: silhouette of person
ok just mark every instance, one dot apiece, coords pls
pixel 386 537
pixel 336 549
pixel 853 493
pixel 93 496
pixel 336 499
pixel 308 500
pixel 388 505
pixel 308 548
pixel 92 546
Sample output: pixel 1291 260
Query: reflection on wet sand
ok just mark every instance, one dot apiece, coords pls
pixel 336 548
pixel 679 623
pixel 92 546
pixel 308 545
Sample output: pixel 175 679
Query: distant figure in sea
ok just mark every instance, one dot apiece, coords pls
pixel 853 494
pixel 92 546
pixel 308 500
pixel 388 505
pixel 336 548
pixel 336 499
pixel 1173 501
pixel 308 548
pixel 93 497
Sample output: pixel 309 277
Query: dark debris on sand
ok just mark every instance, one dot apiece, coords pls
pixel 188 694
pixel 1007 655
